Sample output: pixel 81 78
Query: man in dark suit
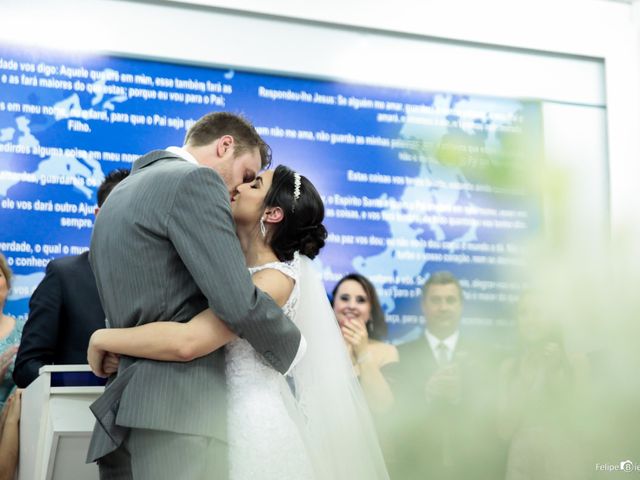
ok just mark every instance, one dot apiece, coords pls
pixel 164 248
pixel 444 396
pixel 64 310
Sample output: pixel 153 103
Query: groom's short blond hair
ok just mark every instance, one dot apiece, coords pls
pixel 215 125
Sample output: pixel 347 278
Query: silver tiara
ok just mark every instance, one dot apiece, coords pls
pixel 296 188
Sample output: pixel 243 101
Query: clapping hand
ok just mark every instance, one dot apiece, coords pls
pixel 14 406
pixel 444 384
pixel 11 410
pixel 357 338
pixel 548 358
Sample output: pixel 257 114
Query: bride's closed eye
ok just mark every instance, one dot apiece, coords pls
pixel 257 183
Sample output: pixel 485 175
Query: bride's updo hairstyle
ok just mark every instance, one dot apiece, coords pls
pixel 301 229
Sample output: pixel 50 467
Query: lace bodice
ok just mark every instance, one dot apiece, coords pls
pixel 240 348
pixel 290 269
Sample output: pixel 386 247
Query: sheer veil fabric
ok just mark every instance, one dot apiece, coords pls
pixel 332 411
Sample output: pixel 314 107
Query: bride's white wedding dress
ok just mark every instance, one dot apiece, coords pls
pixel 324 431
pixel 265 443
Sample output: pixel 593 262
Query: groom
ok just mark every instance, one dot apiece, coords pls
pixel 164 248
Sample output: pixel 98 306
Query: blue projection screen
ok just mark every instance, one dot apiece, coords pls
pixel 413 181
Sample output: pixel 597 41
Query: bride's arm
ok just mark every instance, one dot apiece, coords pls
pixel 174 341
pixel 170 341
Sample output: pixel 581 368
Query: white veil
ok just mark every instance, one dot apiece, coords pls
pixel 339 429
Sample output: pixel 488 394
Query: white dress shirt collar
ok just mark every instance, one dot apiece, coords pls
pixel 182 153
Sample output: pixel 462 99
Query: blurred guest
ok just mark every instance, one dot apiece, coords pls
pixel 541 391
pixel 64 310
pixel 364 329
pixel 443 387
pixel 10 330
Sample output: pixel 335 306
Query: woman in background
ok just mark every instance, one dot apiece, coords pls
pixel 364 330
pixel 541 388
pixel 10 331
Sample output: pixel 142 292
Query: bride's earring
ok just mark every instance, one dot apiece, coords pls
pixel 263 229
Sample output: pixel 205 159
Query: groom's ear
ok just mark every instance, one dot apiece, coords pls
pixel 273 215
pixel 224 144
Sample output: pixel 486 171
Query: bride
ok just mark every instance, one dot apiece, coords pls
pixel 313 425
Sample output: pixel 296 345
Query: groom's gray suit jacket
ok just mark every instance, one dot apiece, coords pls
pixel 163 249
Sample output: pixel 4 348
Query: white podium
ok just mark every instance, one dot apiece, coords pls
pixel 56 425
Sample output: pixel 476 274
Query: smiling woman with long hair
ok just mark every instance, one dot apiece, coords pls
pixel 361 319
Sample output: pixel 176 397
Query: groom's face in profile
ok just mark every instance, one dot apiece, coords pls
pixel 244 169
pixel 234 167
pixel 236 170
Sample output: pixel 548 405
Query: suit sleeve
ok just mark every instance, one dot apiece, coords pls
pixel 40 333
pixel 201 228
